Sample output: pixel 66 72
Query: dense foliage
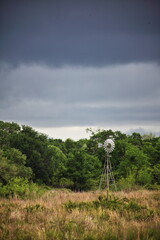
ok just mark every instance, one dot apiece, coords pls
pixel 32 156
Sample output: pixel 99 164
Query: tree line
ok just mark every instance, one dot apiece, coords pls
pixel 77 165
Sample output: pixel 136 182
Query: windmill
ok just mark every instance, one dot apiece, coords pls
pixel 107 177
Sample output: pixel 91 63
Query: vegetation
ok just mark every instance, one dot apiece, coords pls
pixel 76 165
pixel 66 215
pixel 42 184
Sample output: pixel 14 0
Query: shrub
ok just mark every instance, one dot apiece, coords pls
pixel 22 188
pixel 125 207
pixel 126 183
pixel 144 176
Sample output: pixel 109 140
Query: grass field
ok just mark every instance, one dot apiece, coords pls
pixel 64 215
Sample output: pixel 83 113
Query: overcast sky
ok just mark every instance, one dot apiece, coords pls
pixel 69 65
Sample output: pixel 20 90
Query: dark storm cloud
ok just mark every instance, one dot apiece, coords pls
pixel 79 32
pixel 80 63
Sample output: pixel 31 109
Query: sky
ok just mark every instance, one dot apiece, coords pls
pixel 70 65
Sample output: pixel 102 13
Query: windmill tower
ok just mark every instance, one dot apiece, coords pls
pixel 107 177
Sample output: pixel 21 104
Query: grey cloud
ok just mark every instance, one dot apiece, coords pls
pixel 92 33
pixel 132 82
pixel 80 116
pixel 80 96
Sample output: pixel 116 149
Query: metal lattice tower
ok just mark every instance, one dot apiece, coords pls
pixel 107 177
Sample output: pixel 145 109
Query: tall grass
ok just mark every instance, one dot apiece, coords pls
pixel 64 215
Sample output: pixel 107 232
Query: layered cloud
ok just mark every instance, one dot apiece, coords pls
pixel 81 96
pixel 74 64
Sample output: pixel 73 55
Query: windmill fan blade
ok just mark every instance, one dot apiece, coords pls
pixel 109 145
pixel 100 145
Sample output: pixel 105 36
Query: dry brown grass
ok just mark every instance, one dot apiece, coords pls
pixel 46 218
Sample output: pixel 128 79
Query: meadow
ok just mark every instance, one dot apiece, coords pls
pixel 94 215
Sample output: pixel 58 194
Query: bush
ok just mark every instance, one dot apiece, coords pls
pixel 22 188
pixel 127 183
pixel 144 176
pixel 152 187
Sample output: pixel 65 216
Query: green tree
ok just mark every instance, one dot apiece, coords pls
pixel 144 176
pixel 56 166
pixel 70 145
pixel 58 143
pixel 83 170
pixel 134 161
pixel 7 130
pixel 136 139
pixel 12 164
pixel 34 145
pixel 156 173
